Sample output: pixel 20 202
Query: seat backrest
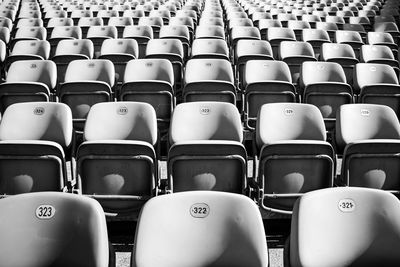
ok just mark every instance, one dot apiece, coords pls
pixel 204 47
pixel 102 31
pixel 64 229
pixel 204 218
pixel 205 121
pixel 67 32
pixel 289 121
pixel 38 121
pixel 171 47
pixel 149 70
pixel 43 71
pixel 138 31
pixel 313 72
pixel 74 47
pixel 91 70
pixel 33 32
pixel 90 21
pixel 355 122
pixel 121 121
pixel 253 48
pixel 335 51
pixel 364 228
pixel 257 71
pixel 289 49
pixel 210 31
pixel 120 21
pixel 348 36
pixel 371 73
pixel 208 70
pixel 375 52
pixel 379 38
pixel 120 46
pixel 32 47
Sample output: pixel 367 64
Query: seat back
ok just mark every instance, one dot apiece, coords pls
pixel 37 121
pixel 207 220
pixel 355 122
pixel 363 228
pixel 75 227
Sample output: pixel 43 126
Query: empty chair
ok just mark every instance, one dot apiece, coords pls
pixel 63 33
pixel 342 54
pixel 357 28
pixel 377 84
pixel 294 157
pixel 172 50
pixel 86 22
pixel 298 26
pixel 276 35
pixel 381 54
pixel 76 231
pixel 352 38
pixel 243 33
pixel 117 162
pixel 97 34
pixel 330 27
pixel 324 85
pixel 120 23
pixel 151 81
pixel 265 24
pixel 250 50
pixel 28 33
pixel 389 27
pixel 35 141
pixel 209 80
pixel 294 54
pixel 186 21
pixel 382 38
pixel 206 150
pixel 368 135
pixel 107 14
pixel 36 84
pixel 87 82
pixel 69 50
pixel 29 49
pixel 316 37
pixel 142 35
pixel 180 32
pixel 210 31
pixel 207 219
pixel 134 14
pixel 154 22
pixel 265 81
pixel 363 228
pixel 210 48
pixel 119 51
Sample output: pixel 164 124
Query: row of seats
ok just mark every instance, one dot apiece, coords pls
pixel 226 228
pixel 118 162
pixel 151 80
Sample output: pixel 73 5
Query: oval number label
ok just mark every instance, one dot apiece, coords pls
pixel 205 110
pixel 347 205
pixel 45 212
pixel 199 210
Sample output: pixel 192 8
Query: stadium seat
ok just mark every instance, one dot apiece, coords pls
pixel 381 54
pixel 209 80
pixel 119 51
pixel 97 34
pixel 276 35
pixel 142 35
pixel 323 84
pixel 154 22
pixel 342 54
pixel 347 226
pixel 210 31
pixel 87 82
pixel 352 38
pixel 120 23
pixel 63 33
pixel 250 50
pixel 172 50
pixel 293 154
pixel 28 33
pixel 206 150
pixel 316 37
pixel 74 226
pixel 117 163
pixel 265 81
pixel 36 139
pixel 377 84
pixel 207 219
pixel 69 50
pixel 210 48
pixel 179 32
pixel 369 137
pixel 27 50
pixel 152 81
pixel 294 54
pixel 37 83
